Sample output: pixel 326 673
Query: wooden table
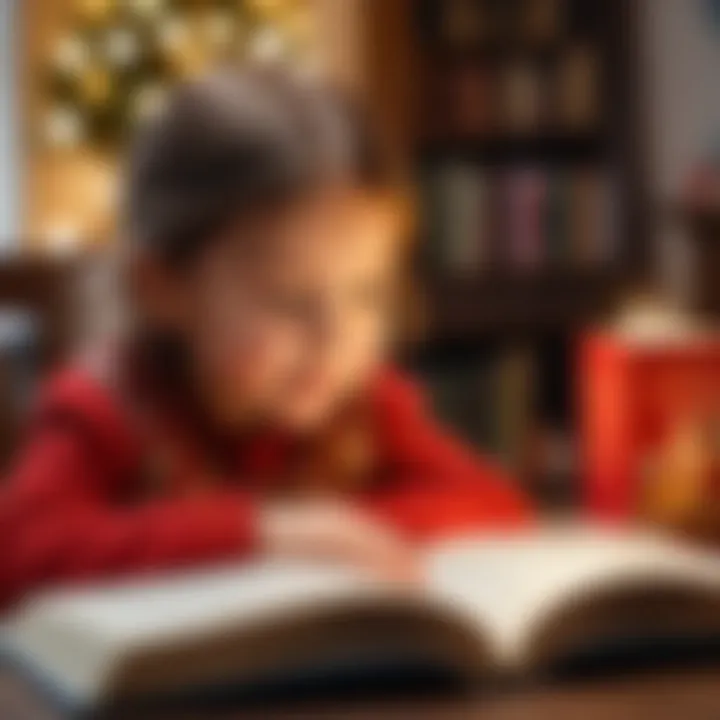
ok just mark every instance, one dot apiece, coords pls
pixel 669 695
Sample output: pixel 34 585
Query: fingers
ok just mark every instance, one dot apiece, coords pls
pixel 330 531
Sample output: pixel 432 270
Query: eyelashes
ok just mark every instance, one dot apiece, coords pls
pixel 304 307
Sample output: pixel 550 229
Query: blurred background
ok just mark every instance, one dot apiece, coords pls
pixel 566 155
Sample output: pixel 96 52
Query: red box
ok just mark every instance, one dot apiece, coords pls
pixel 639 405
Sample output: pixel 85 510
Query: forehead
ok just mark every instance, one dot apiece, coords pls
pixel 328 226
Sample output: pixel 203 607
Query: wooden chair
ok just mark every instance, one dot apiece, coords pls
pixel 39 291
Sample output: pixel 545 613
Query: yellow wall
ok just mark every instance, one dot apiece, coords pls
pixel 70 192
pixel 62 191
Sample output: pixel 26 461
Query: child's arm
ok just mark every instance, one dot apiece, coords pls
pixel 63 519
pixel 65 515
pixel 60 523
pixel 433 485
pixel 66 510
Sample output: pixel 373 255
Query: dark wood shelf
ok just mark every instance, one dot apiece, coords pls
pixel 462 104
pixel 705 220
pixel 559 300
pixel 500 52
pixel 703 225
pixel 562 300
pixel 569 297
pixel 43 287
pixel 547 148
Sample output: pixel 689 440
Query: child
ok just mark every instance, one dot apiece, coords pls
pixel 245 410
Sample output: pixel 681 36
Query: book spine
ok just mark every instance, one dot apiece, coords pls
pixel 609 214
pixel 514 407
pixel 525 219
pixel 556 219
pixel 433 228
pixel 483 238
pixel 461 196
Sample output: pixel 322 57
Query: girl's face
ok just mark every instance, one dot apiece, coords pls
pixel 289 314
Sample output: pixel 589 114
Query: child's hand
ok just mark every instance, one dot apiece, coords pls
pixel 336 531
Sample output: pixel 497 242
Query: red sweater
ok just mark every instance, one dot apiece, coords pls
pixel 74 508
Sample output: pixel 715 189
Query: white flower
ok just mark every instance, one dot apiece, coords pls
pixel 71 54
pixel 64 127
pixel 220 28
pixel 122 47
pixel 148 8
pixel 149 101
pixel 173 33
pixel 267 45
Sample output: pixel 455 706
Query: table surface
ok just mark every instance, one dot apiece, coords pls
pixel 688 695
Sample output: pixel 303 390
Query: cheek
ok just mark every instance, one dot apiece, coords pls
pixel 340 366
pixel 248 352
pixel 331 373
pixel 363 344
pixel 268 350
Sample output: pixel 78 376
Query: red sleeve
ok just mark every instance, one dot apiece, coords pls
pixel 433 485
pixel 62 512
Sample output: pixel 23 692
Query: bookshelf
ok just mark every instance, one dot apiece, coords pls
pixel 522 121
pixel 703 224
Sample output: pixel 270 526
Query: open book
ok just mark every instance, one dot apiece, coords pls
pixel 500 604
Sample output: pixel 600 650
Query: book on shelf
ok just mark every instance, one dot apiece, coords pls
pixel 555 218
pixel 488 400
pixel 476 95
pixel 472 23
pixel 526 190
pixel 520 218
pixel 462 201
pixel 468 108
pixel 451 394
pixel 543 21
pixel 593 222
pixel 498 605
pixel 516 390
pixel 521 99
pixel 430 232
pixel 578 101
pixel 585 223
pixel 466 23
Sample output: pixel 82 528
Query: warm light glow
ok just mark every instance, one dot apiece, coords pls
pixel 107 85
pixel 149 101
pixel 267 7
pixel 62 237
pixel 71 55
pixel 267 45
pixel 122 47
pixel 96 85
pixel 301 26
pixel 173 33
pixel 64 128
pixel 95 9
pixel 148 8
pixel 219 27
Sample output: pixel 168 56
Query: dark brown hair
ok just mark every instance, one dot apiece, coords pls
pixel 238 141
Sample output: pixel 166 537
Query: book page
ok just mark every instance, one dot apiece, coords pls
pixel 80 636
pixel 508 584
